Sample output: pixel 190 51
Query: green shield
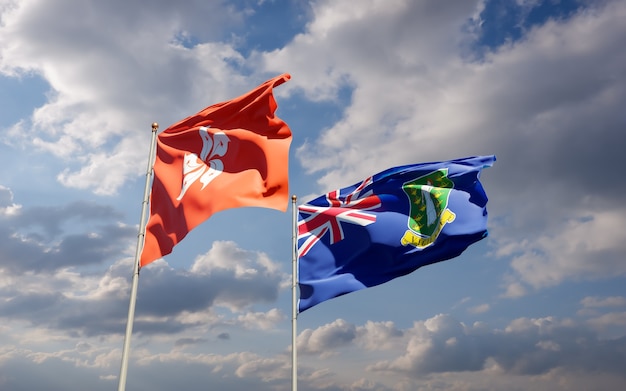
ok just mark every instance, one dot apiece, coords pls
pixel 428 196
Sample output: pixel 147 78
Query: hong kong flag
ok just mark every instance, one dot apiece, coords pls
pixel 231 154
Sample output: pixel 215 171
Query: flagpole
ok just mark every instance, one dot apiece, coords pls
pixel 135 283
pixel 294 297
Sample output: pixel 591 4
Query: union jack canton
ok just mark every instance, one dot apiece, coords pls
pixel 348 209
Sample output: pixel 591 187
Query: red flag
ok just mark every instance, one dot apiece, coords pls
pixel 229 155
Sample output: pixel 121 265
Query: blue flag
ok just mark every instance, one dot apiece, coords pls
pixel 389 225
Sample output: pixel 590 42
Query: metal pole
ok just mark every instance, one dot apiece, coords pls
pixel 294 296
pixel 135 283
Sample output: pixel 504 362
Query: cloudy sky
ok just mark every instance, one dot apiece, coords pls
pixel 540 304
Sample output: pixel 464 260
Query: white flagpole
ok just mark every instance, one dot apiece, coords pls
pixel 135 283
pixel 294 298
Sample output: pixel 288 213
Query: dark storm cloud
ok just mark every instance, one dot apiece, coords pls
pixel 181 342
pixel 51 219
pixel 555 116
pixel 24 305
pixel 37 239
pixel 164 292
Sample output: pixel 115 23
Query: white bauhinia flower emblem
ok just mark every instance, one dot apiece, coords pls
pixel 207 167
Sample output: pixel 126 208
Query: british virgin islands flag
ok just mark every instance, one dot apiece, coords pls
pixel 389 225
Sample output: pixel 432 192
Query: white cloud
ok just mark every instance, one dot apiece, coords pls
pixel 384 61
pixel 379 335
pixel 325 339
pixel 7 206
pixel 261 320
pixel 479 309
pixel 581 249
pixel 596 302
pixel 532 353
pixel 225 255
pixel 543 104
pixel 461 107
pixel 513 289
pixel 112 74
pixel 525 347
pixel 610 320
pixel 549 105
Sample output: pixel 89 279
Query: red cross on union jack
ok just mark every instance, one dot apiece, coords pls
pixel 329 218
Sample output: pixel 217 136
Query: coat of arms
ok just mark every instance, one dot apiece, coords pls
pixel 428 197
